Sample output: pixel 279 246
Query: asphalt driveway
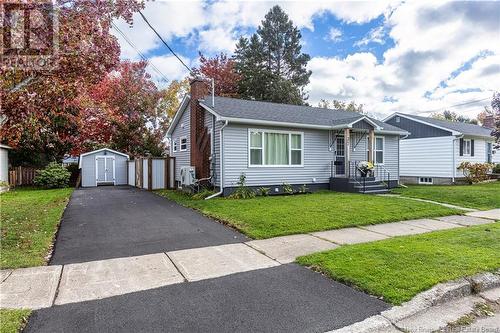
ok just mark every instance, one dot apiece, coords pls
pixel 287 298
pixel 121 221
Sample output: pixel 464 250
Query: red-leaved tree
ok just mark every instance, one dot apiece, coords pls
pixel 221 69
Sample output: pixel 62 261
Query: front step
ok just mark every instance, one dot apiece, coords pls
pixel 369 185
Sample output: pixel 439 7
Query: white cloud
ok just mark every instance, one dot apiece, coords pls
pixel 216 40
pixel 334 35
pixel 438 60
pixel 169 67
pixel 376 35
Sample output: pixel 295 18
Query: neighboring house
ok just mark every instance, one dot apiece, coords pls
pixel 273 144
pixel 4 163
pixel 435 148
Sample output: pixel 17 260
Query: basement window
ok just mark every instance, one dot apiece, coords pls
pixel 425 180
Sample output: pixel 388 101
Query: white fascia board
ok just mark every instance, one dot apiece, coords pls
pixel 97 151
pixel 368 120
pixel 453 132
pixel 178 114
pixel 212 111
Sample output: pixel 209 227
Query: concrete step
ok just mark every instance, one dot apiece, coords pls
pixel 382 191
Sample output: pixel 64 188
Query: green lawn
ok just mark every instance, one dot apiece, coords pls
pixel 480 196
pixel 399 268
pixel 12 321
pixel 265 217
pixel 29 221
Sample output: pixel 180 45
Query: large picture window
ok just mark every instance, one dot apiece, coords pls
pixel 275 148
pixel 379 150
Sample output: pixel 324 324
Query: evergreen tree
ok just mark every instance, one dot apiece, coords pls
pixel 271 63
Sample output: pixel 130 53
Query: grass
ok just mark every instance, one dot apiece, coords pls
pixel 13 321
pixel 399 268
pixel 479 196
pixel 29 221
pixel 265 217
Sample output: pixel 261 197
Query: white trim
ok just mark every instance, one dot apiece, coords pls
pixel 257 122
pixel 465 145
pixel 453 132
pixel 375 150
pixel 263 149
pixel 97 151
pixel 420 182
pixel 5 146
pixel 178 114
pixel 368 120
pixel 180 143
pixel 175 148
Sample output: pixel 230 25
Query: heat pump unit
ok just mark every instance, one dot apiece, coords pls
pixel 188 175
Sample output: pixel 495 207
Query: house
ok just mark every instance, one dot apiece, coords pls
pixel 432 151
pixel 4 163
pixel 103 167
pixel 273 144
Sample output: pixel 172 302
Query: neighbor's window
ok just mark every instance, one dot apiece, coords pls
pixel 467 145
pixel 269 148
pixel 184 144
pixel 379 150
pixel 175 145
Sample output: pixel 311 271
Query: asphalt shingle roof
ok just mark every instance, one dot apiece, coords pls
pixel 464 128
pixel 286 113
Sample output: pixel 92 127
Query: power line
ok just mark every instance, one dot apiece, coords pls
pixel 139 52
pixel 452 106
pixel 171 50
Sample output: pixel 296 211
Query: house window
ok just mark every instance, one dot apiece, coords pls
pixel 379 150
pixel 467 147
pixel 175 145
pixel 275 148
pixel 425 180
pixel 184 144
pixel 489 151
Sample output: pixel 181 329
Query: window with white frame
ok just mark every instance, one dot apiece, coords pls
pixel 174 145
pixel 425 180
pixel 379 150
pixel 184 143
pixel 275 148
pixel 467 147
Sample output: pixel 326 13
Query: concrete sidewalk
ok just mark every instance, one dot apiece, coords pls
pixel 42 287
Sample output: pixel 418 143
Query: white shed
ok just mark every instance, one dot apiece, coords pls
pixel 4 163
pixel 103 167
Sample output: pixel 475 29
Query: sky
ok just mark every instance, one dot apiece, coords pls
pixel 416 57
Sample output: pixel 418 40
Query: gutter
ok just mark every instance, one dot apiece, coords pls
pixel 220 164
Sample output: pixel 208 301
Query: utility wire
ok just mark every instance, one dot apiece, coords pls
pixel 139 52
pixel 452 106
pixel 171 50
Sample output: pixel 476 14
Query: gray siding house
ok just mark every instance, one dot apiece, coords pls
pixel 434 149
pixel 273 144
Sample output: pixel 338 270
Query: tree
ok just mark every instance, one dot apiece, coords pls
pixel 221 69
pixel 340 105
pixel 487 112
pixel 168 104
pixel 271 64
pixel 495 106
pixel 40 116
pixel 452 116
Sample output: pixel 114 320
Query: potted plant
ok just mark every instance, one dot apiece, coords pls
pixel 365 168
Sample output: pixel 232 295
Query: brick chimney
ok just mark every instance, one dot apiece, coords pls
pixel 199 136
pixel 489 121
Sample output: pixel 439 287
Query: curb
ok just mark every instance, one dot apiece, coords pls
pixel 441 293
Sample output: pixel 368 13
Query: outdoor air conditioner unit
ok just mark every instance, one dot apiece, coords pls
pixel 188 175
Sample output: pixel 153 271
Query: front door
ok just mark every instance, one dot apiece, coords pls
pixel 105 169
pixel 339 156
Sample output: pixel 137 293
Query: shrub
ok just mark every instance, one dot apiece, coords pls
pixel 287 188
pixel 242 192
pixel 475 172
pixel 53 176
pixel 264 191
pixel 303 189
pixel 496 168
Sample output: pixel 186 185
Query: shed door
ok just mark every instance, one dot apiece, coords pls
pixel 105 169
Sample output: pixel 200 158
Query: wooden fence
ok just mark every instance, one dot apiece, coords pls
pixel 152 173
pixel 20 176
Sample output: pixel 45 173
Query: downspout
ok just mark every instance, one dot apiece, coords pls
pixel 220 164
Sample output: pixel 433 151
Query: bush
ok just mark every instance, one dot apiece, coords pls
pixel 53 176
pixel 287 188
pixel 475 172
pixel 496 168
pixel 242 192
pixel 264 191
